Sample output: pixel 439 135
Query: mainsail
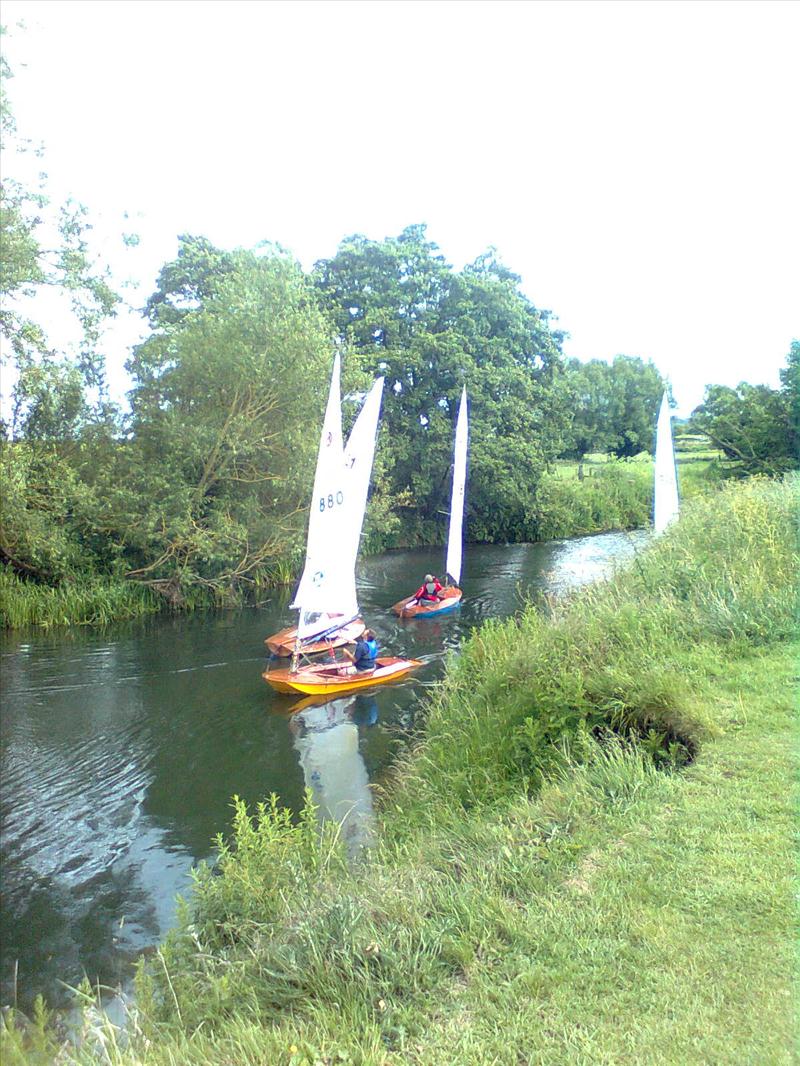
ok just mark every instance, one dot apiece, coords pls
pixel 665 495
pixel 454 540
pixel 326 595
pixel 358 457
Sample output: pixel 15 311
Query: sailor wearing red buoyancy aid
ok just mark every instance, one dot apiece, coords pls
pixel 429 591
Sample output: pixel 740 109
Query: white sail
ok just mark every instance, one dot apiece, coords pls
pixel 315 593
pixel 455 537
pixel 326 594
pixel 665 495
pixel 359 454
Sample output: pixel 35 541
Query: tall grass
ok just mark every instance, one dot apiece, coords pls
pixel 96 601
pixel 87 601
pixel 610 656
pixel 614 495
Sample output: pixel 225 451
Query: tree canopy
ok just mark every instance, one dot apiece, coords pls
pixel 614 406
pixel 404 312
pixel 756 427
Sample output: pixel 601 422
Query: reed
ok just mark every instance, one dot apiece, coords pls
pixel 96 601
pixel 90 601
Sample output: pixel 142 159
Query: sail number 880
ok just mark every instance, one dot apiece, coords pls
pixel 330 500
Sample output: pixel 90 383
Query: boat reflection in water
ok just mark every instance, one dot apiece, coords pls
pixel 326 738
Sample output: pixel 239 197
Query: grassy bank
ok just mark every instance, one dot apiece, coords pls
pixel 601 493
pixel 543 892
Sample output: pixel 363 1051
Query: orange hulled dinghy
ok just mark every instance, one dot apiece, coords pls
pixel 327 679
pixel 326 596
pixel 334 635
pixel 450 597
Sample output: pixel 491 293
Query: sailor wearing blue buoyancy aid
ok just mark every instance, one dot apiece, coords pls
pixel 366 651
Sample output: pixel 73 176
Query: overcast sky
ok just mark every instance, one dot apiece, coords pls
pixel 635 162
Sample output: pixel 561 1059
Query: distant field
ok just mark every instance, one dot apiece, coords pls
pixel 691 451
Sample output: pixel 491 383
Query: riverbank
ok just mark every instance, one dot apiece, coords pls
pixel 542 892
pixel 612 496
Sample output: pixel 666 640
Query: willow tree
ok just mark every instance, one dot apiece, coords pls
pixel 756 427
pixel 213 484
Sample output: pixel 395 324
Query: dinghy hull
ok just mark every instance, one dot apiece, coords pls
pixel 410 608
pixel 282 643
pixel 325 679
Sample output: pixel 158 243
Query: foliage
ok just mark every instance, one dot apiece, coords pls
pixel 614 406
pixel 91 601
pixel 613 496
pixel 790 382
pixel 226 405
pixel 46 250
pixel 205 495
pixel 407 314
pixel 756 427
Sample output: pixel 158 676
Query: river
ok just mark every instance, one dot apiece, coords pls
pixel 122 748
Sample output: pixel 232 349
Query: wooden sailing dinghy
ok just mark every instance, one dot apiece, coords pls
pixel 666 504
pixel 283 642
pixel 450 597
pixel 347 472
pixel 327 589
pixel 324 679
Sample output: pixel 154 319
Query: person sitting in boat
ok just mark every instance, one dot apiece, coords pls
pixel 430 591
pixel 366 651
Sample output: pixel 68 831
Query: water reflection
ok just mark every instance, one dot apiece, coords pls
pixel 327 740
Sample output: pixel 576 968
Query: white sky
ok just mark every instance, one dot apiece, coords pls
pixel 635 162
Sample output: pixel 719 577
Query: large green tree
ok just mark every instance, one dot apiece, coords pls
pixel 614 406
pixel 756 427
pixel 402 311
pixel 214 483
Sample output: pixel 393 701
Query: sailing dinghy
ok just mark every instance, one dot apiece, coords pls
pixel 327 591
pixel 665 489
pixel 323 630
pixel 451 594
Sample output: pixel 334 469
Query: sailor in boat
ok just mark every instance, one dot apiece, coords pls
pixel 366 651
pixel 430 591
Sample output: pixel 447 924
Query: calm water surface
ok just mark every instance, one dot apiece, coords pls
pixel 122 748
